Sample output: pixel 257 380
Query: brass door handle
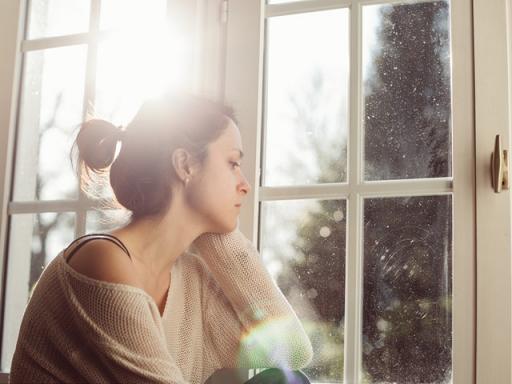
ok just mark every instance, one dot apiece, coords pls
pixel 499 167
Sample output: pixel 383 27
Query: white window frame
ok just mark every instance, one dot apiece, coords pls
pixel 202 20
pixel 493 111
pixel 11 14
pixel 245 90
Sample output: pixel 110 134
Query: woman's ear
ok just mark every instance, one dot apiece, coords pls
pixel 183 163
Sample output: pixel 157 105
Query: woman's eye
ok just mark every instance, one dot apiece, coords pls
pixel 234 163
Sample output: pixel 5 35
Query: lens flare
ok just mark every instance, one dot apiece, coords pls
pixel 268 342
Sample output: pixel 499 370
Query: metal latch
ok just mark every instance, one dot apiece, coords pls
pixel 499 167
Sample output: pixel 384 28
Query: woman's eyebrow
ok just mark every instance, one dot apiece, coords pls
pixel 239 150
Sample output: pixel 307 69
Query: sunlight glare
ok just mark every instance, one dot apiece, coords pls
pixel 134 65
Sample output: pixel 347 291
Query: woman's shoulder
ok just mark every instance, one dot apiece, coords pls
pixel 102 261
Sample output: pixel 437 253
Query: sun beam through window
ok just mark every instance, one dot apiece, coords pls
pixel 140 59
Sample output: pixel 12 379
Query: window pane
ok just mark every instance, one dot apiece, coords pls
pixel 50 112
pixel 34 240
pixel 303 248
pixel 406 65
pixel 123 14
pixel 135 65
pixel 306 98
pixel 57 17
pixel 120 76
pixel 407 311
pixel 37 239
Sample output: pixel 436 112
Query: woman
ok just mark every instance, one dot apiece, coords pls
pixel 177 293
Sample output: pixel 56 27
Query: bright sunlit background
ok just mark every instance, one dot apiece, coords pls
pixel 78 64
pixel 142 58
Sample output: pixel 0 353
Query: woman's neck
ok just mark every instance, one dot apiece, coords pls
pixel 156 243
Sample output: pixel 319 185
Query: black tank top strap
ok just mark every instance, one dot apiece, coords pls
pixel 92 236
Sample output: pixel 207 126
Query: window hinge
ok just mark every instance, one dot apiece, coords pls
pixel 224 12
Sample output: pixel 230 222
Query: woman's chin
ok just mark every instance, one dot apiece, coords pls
pixel 234 224
pixel 233 227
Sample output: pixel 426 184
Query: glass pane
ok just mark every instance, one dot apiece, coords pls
pixel 38 238
pixel 135 65
pixel 407 310
pixel 123 14
pixel 50 112
pixel 303 248
pixel 406 70
pixel 306 98
pixel 100 221
pixel 57 17
pixel 34 240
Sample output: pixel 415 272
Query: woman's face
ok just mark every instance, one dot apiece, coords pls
pixel 220 185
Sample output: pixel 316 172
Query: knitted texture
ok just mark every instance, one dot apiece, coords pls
pixel 223 310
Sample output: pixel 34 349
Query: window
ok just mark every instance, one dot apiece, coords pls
pixel 357 188
pixel 81 58
pixel 316 223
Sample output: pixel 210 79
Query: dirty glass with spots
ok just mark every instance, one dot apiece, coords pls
pixel 303 248
pixel 406 91
pixel 407 312
pixel 407 241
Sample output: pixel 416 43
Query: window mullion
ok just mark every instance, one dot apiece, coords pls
pixel 290 8
pixel 388 188
pixel 54 42
pixel 353 285
pixel 88 105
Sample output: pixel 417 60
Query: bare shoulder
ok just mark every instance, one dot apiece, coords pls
pixel 103 260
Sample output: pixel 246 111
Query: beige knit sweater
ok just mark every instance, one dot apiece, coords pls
pixel 223 309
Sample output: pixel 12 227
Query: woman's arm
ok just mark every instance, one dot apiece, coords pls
pixel 246 307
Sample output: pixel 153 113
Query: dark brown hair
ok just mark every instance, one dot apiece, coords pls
pixel 142 174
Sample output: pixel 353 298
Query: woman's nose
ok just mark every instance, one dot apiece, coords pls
pixel 244 185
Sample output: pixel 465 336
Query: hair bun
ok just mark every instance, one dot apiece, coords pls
pixel 97 142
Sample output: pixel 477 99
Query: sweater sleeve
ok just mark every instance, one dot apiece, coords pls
pixel 123 330
pixel 249 320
